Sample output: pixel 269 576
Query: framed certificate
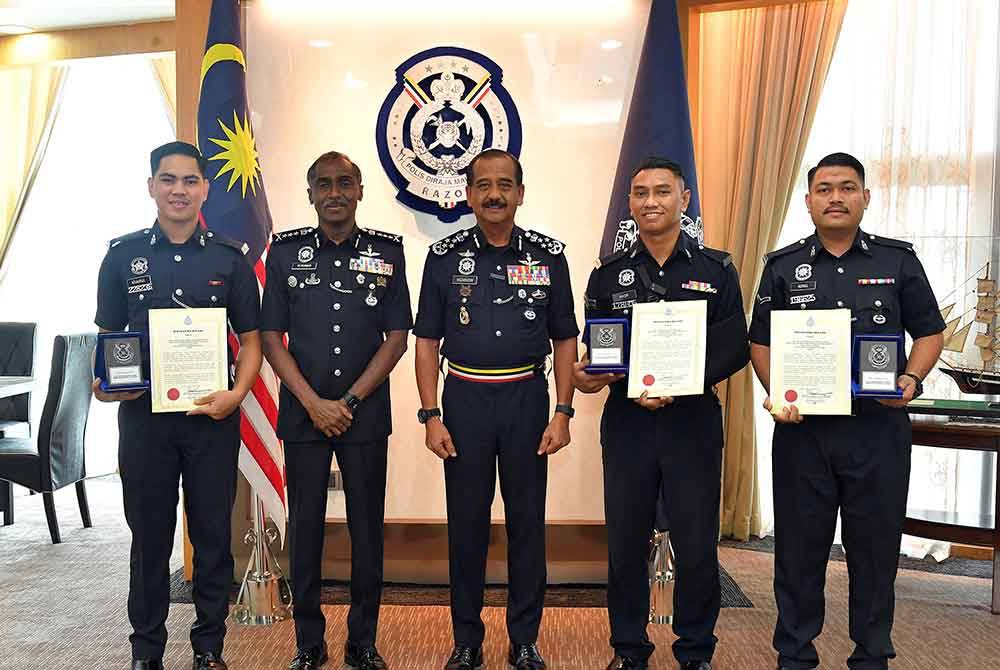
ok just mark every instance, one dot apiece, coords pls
pixel 188 356
pixel 667 348
pixel 607 345
pixel 118 361
pixel 811 361
pixel 875 363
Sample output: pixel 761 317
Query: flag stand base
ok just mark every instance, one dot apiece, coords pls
pixel 661 579
pixel 265 597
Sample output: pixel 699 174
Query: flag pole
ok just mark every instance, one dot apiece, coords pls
pixel 265 597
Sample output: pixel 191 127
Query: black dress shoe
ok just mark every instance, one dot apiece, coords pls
pixel 363 658
pixel 309 659
pixel 465 658
pixel 147 664
pixel 626 663
pixel 208 661
pixel 695 665
pixel 525 657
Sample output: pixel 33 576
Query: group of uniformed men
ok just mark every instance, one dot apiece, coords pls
pixel 495 301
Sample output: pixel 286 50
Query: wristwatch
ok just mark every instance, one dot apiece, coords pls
pixel 424 415
pixel 352 401
pixel 567 410
pixel 919 391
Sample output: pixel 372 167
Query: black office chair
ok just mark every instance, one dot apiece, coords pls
pixel 54 459
pixel 17 359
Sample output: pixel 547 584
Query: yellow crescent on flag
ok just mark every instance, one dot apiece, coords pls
pixel 218 53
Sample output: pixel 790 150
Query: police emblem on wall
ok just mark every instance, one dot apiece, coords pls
pixel 448 105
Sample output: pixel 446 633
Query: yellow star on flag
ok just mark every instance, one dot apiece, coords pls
pixel 240 154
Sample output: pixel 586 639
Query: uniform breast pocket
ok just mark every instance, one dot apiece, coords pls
pixel 532 305
pixel 876 310
pixel 465 309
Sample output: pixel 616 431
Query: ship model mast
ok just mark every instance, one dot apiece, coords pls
pixel 984 377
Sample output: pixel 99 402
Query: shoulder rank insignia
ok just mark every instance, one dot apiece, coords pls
pixel 295 234
pixel 614 256
pixel 890 242
pixel 716 255
pixel 550 244
pixel 443 246
pixel 392 237
pixel 785 250
pixel 134 235
pixel 242 247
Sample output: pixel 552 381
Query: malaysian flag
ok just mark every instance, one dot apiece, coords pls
pixel 237 208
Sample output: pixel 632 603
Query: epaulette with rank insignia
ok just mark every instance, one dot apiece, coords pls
pixel 135 235
pixel 717 255
pixel 550 244
pixel 612 257
pixel 295 234
pixel 444 245
pixel 784 250
pixel 392 237
pixel 889 242
pixel 241 247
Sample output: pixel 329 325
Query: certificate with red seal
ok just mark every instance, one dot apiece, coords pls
pixel 811 361
pixel 188 356
pixel 667 349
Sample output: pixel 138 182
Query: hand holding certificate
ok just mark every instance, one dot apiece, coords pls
pixel 667 351
pixel 188 356
pixel 811 361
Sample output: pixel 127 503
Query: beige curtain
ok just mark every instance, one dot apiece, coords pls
pixel 31 98
pixel 165 70
pixel 759 81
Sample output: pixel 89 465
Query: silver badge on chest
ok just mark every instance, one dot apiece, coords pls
pixel 626 277
pixel 803 272
pixel 879 319
pixel 139 265
pixel 466 266
pixel 305 254
pixel 529 314
pixel 371 300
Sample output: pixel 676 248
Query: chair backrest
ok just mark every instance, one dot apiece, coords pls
pixel 63 426
pixel 17 359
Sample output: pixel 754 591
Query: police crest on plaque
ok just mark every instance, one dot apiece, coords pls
pixel 447 106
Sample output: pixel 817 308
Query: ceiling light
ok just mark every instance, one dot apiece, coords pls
pixel 611 45
pixel 15 30
pixel 320 44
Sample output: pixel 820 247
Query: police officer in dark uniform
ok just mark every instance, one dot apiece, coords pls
pixel 858 463
pixel 340 293
pixel 175 264
pixel 498 295
pixel 673 444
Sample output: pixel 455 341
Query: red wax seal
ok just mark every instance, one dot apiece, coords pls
pixel 791 396
pixel 648 380
pixel 173 394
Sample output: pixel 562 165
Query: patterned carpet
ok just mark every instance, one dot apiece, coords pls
pixel 64 607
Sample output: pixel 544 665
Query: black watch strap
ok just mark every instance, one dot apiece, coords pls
pixel 919 391
pixel 352 401
pixel 567 410
pixel 425 415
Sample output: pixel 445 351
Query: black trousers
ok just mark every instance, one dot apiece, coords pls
pixel 678 449
pixel 307 467
pixel 491 423
pixel 860 465
pixel 156 453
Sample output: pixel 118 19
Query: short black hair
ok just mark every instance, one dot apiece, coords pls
pixel 495 153
pixel 173 149
pixel 838 159
pixel 658 163
pixel 331 156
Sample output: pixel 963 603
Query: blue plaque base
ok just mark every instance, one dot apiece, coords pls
pixel 597 368
pixel 101 365
pixel 895 343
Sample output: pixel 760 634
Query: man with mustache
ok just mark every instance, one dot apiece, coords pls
pixel 497 295
pixel 340 293
pixel 859 464
pixel 669 444
pixel 176 264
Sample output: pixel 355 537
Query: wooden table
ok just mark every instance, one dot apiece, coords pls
pixel 974 529
pixel 10 386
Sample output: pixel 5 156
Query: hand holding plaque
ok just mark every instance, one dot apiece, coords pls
pixel 118 362
pixel 876 362
pixel 607 345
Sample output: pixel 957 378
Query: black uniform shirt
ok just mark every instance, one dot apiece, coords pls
pixel 336 302
pixel 692 272
pixel 496 306
pixel 879 279
pixel 144 270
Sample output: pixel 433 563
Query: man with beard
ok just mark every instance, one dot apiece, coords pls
pixel 669 443
pixel 497 295
pixel 175 264
pixel 859 464
pixel 340 293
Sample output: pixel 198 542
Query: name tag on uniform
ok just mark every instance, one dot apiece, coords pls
pixel 877 282
pixel 524 275
pixel 623 300
pixel 376 266
pixel 702 286
pixel 140 284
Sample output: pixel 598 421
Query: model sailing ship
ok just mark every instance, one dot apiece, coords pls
pixel 978 372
